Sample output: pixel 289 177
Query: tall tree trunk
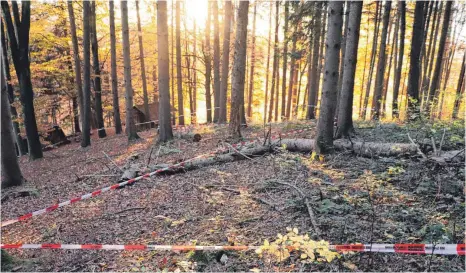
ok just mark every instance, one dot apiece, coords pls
pixel 11 173
pixel 267 70
pixel 345 120
pixel 275 62
pixel 173 114
pixel 346 7
pixel 414 70
pixel 459 89
pixel 225 63
pixel 322 51
pixel 362 95
pixel 285 60
pixel 292 82
pixel 208 67
pixel 194 113
pixel 216 62
pixel 324 137
pixel 163 59
pixel 19 47
pixel 313 77
pixel 7 79
pixel 143 66
pixel 116 101
pixel 97 80
pixel 393 50
pixel 239 70
pixel 435 84
pixel 253 60
pixel 179 77
pixel 277 90
pixel 399 68
pixel 77 61
pixel 86 115
pixel 372 62
pixel 377 98
pixel 130 124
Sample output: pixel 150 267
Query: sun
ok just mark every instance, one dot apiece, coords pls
pixel 196 10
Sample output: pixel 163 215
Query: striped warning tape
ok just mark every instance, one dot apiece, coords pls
pixel 116 186
pixel 438 249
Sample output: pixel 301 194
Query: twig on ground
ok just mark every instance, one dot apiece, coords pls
pixel 306 201
pixel 237 151
pixel 434 146
pixel 260 200
pixel 417 147
pixel 441 141
pixel 112 161
pixel 150 155
pixel 462 151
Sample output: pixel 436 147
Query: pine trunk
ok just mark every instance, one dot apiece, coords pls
pixel 163 60
pixel 208 67
pixel 130 124
pixel 238 73
pixel 216 62
pixel 179 76
pixel 313 82
pixel 143 66
pixel 225 62
pixel 324 137
pixel 345 120
pixel 253 60
pixel 116 101
pixel 86 115
pixel 275 63
pixel 285 61
pixel 399 66
pixel 347 6
pixel 267 70
pixel 292 80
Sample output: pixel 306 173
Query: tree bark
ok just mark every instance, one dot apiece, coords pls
pixel 208 67
pixel 292 83
pixel 14 114
pixel 267 70
pixel 19 47
pixel 173 114
pixel 346 7
pixel 324 137
pixel 143 67
pixel 393 49
pixel 116 101
pixel 372 62
pixel 165 128
pixel 399 67
pixel 285 61
pixel 345 120
pixel 313 77
pixel 239 70
pixel 86 116
pixel 216 62
pixel 11 173
pixel 194 84
pixel 130 124
pixel 414 70
pixel 77 61
pixel 275 62
pixel 179 77
pixel 459 89
pixel 377 98
pixel 225 62
pixel 435 83
pixel 253 60
pixel 97 80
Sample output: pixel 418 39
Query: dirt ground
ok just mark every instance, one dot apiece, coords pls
pixel 355 199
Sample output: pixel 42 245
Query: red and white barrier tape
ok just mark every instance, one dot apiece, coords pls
pixel 439 249
pixel 115 186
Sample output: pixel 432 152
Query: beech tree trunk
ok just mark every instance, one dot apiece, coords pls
pixel 143 66
pixel 345 120
pixel 6 77
pixel 399 67
pixel 267 70
pixel 239 70
pixel 116 101
pixel 275 62
pixel 173 114
pixel 208 68
pixel 253 60
pixel 11 173
pixel 97 80
pixel 225 62
pixel 130 124
pixel 77 61
pixel 285 60
pixel 19 47
pixel 179 76
pixel 459 89
pixel 86 115
pixel 216 62
pixel 313 73
pixel 324 137
pixel 435 84
pixel 414 70
pixel 379 78
pixel 163 59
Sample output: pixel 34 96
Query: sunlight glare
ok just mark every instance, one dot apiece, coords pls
pixel 196 11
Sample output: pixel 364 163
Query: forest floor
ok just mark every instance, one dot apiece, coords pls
pixel 390 200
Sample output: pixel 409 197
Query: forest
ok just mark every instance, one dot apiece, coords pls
pixel 207 135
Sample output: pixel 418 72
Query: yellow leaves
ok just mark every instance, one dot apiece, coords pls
pixel 350 266
pixel 255 270
pixel 178 222
pixel 281 248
